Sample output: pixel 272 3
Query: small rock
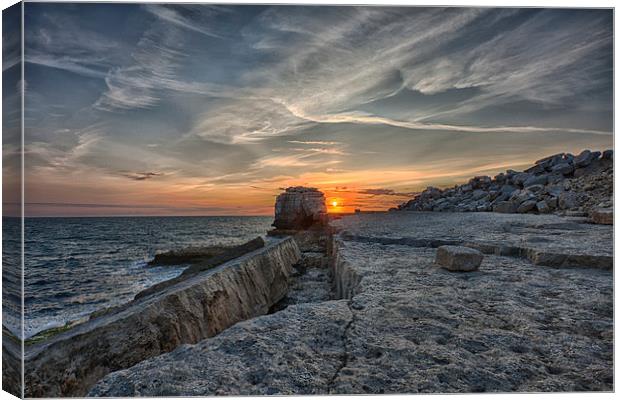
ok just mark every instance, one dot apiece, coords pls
pixel 603 216
pixel 543 207
pixel 458 258
pixel 535 188
pixel 608 155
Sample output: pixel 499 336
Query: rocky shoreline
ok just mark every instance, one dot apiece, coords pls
pixel 579 185
pixel 396 322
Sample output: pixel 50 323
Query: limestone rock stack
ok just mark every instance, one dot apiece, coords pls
pixel 300 208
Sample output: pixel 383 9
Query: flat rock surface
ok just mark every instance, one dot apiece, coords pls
pixel 550 233
pixel 297 350
pixel 511 326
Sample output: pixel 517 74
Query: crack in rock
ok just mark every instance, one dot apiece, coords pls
pixel 345 352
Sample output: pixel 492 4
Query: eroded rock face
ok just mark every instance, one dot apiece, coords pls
pixel 300 208
pixel 187 312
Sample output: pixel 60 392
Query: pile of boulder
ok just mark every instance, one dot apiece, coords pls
pixel 300 208
pixel 561 183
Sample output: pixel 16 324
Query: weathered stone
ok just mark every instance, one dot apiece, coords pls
pixel 536 169
pixel 205 264
pixel 583 159
pixel 521 178
pixel 568 200
pixel 522 196
pixel 186 256
pixel 479 194
pixel 535 180
pixel 555 178
pixel 535 188
pixel 292 352
pixel 466 188
pixel 509 189
pixel 526 206
pixel 603 216
pixel 199 307
pixel 505 207
pixel 543 207
pixel 554 190
pixel 563 168
pixel 552 202
pixel 608 155
pixel 458 258
pixel 300 208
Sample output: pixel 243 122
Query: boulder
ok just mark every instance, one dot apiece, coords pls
pixel 536 169
pixel 608 155
pixel 604 216
pixel 458 258
pixel 479 194
pixel 506 207
pixel 554 190
pixel 522 196
pixel 550 160
pixel 568 200
pixel 508 189
pixel 563 168
pixel 526 206
pixel 583 159
pixel 520 178
pixel 535 180
pixel 300 208
pixel 554 178
pixel 536 188
pixel 466 188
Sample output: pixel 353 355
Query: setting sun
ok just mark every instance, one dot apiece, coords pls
pixel 334 203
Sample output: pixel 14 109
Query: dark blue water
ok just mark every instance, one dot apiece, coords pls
pixel 74 266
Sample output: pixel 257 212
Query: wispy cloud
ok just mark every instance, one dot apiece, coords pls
pixel 195 18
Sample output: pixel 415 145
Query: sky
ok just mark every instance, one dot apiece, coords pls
pixel 154 109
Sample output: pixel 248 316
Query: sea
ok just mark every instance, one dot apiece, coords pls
pixel 75 266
